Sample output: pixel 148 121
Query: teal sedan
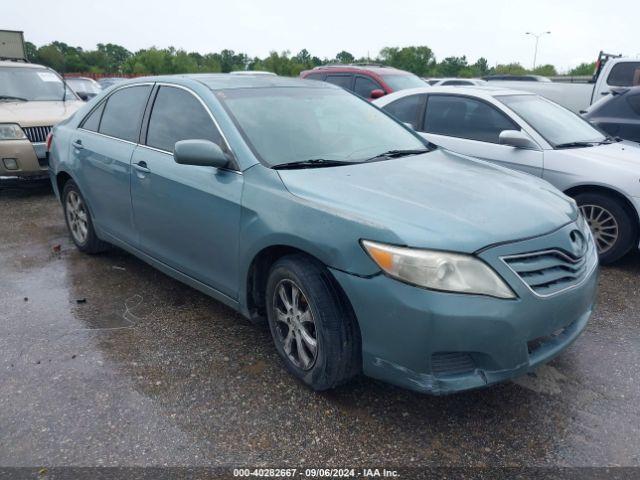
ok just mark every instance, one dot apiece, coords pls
pixel 365 247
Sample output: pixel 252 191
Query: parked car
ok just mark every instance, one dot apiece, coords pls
pixel 456 82
pixel 611 71
pixel 252 72
pixel 515 78
pixel 106 82
pixel 365 247
pixel 527 132
pixel 86 88
pixel 367 81
pixel 33 98
pixel 618 114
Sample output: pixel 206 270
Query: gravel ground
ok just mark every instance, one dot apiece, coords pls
pixel 105 361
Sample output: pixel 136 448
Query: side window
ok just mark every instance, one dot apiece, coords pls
pixel 624 74
pixel 464 117
pixel 314 76
pixel 364 86
pixel 634 103
pixel 178 115
pixel 407 109
pixel 92 122
pixel 123 111
pixel 343 81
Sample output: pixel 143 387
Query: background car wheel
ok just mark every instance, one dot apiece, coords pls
pixel 613 227
pixel 313 327
pixel 79 221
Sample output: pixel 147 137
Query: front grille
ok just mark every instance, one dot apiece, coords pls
pixel 552 271
pixel 37 134
pixel 452 363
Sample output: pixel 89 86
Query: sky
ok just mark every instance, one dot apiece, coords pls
pixel 494 29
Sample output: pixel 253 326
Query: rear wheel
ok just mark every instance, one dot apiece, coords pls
pixel 613 228
pixel 313 328
pixel 78 218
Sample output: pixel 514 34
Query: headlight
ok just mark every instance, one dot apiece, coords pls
pixel 11 131
pixel 450 272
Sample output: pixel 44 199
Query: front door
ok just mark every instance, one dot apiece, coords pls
pixel 187 217
pixel 470 126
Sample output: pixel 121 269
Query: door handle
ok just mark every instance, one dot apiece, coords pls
pixel 78 144
pixel 141 167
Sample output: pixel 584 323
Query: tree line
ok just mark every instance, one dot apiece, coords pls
pixel 112 59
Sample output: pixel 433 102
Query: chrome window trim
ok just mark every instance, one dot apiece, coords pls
pixel 137 144
pixel 552 251
pixel 109 136
pixel 105 99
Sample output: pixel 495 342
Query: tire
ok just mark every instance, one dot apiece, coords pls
pixel 331 323
pixel 79 222
pixel 622 224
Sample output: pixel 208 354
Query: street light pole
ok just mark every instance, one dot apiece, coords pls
pixel 535 52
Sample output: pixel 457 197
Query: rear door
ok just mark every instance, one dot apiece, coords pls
pixel 187 217
pixel 102 147
pixel 472 126
pixel 409 109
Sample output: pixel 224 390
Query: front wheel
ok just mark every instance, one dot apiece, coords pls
pixel 313 328
pixel 613 228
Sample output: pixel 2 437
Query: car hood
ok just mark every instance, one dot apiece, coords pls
pixel 623 154
pixel 34 114
pixel 437 200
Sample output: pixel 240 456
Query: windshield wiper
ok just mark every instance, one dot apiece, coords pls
pixel 398 153
pixel 10 97
pixel 576 144
pixel 312 163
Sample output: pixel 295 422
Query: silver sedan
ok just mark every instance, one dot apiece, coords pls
pixel 526 132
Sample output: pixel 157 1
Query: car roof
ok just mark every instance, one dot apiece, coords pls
pixel 8 63
pixel 225 81
pixel 378 69
pixel 486 92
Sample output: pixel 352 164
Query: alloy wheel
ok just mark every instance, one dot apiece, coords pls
pixel 603 225
pixel 295 325
pixel 77 217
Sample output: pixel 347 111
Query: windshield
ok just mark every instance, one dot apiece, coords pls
pixel 285 125
pixel 401 82
pixel 83 85
pixel 555 123
pixel 31 84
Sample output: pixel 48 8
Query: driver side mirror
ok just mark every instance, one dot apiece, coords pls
pixel 517 139
pixel 202 153
pixel 376 93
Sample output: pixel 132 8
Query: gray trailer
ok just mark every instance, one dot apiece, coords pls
pixel 12 46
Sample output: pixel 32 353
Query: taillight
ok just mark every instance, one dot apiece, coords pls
pixel 49 140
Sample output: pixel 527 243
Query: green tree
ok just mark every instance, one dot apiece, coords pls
pixel 345 57
pixel 480 68
pixel 583 69
pixel 50 56
pixel 545 70
pixel 114 56
pixel 419 60
pixel 453 67
pixel 31 51
pixel 509 68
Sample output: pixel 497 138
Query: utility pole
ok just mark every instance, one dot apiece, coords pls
pixel 535 52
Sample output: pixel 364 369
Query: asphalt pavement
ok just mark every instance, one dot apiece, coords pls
pixel 105 361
